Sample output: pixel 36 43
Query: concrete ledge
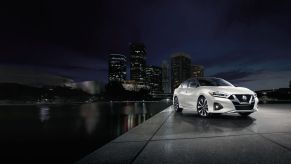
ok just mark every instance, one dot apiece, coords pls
pixel 145 131
pixel 124 148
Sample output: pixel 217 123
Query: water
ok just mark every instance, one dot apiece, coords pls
pixel 66 133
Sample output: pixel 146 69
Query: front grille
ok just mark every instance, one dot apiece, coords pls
pixel 242 101
pixel 243 98
pixel 235 103
pixel 244 107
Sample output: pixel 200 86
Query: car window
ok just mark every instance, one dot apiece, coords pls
pixel 192 83
pixel 213 82
pixel 184 84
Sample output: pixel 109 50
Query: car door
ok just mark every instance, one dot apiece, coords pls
pixel 182 93
pixel 190 96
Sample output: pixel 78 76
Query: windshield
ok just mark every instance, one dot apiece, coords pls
pixel 213 82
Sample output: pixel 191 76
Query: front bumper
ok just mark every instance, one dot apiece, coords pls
pixel 229 107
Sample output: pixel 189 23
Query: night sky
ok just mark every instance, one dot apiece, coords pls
pixel 247 42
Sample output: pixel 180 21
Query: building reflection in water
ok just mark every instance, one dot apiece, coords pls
pixel 134 115
pixel 127 117
pixel 44 113
pixel 89 112
pixel 144 112
pixel 115 118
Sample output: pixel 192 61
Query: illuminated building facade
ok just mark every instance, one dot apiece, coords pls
pixel 154 79
pixel 117 67
pixel 131 85
pixel 180 69
pixel 197 71
pixel 137 63
pixel 166 81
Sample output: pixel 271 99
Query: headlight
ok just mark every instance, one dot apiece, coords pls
pixel 219 94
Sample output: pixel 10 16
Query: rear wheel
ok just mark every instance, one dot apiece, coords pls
pixel 176 105
pixel 245 114
pixel 202 107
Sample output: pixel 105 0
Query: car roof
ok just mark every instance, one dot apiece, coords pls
pixel 197 78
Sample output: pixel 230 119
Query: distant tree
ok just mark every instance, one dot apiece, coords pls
pixel 115 91
pixel 144 94
pixel 19 92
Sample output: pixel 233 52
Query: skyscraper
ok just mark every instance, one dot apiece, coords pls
pixel 180 69
pixel 117 67
pixel 154 79
pixel 166 81
pixel 197 71
pixel 137 62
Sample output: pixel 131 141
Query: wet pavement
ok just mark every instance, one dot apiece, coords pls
pixel 169 137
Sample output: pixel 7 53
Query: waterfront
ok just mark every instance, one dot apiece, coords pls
pixel 66 133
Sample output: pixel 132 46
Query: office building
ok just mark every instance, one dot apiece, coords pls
pixel 180 69
pixel 154 79
pixel 197 71
pixel 166 81
pixel 137 62
pixel 117 67
pixel 131 85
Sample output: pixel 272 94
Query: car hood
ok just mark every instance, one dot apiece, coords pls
pixel 231 90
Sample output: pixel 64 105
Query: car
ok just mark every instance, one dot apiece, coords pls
pixel 211 95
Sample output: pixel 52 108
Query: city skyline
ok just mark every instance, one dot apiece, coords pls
pixel 158 79
pixel 245 42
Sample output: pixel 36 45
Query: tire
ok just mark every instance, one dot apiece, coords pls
pixel 202 107
pixel 176 105
pixel 246 114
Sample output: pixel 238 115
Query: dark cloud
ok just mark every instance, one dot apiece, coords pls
pixel 233 75
pixel 231 39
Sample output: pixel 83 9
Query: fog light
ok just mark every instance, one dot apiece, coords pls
pixel 217 106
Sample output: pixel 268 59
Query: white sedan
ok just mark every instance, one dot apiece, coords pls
pixel 208 95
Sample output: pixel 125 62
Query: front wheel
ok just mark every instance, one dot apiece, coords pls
pixel 245 114
pixel 176 105
pixel 202 107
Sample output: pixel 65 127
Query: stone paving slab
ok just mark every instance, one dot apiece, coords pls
pixel 187 125
pixel 284 139
pixel 114 153
pixel 231 149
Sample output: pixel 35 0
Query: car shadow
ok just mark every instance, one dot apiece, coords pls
pixel 222 122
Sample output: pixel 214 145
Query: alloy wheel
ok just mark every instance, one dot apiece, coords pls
pixel 202 107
